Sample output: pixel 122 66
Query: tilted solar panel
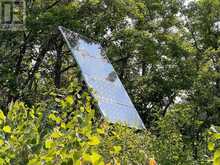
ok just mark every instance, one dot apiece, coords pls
pixel 98 73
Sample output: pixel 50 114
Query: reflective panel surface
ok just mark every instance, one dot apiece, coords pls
pixel 113 100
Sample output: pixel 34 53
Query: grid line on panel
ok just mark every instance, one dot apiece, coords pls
pixel 105 96
pixel 107 100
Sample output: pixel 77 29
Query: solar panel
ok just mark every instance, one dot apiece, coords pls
pixel 98 73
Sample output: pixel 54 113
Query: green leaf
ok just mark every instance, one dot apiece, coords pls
pixel 7 129
pixel 48 143
pixel 1 161
pixel 94 140
pixel 56 134
pixel 101 130
pixel 32 114
pixel 37 75
pixel 116 149
pixel 2 116
pixel 211 146
pixel 34 161
pixel 1 142
pixel 88 109
pixel 69 100
pixel 216 136
pixel 217 161
pixel 217 156
pixel 62 104
pixel 94 2
pixel 63 125
pixel 94 158
pixel 54 118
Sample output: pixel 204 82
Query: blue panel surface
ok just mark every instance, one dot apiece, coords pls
pixel 99 74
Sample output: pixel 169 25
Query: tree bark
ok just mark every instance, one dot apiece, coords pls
pixel 58 66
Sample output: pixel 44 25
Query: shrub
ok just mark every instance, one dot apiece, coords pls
pixel 67 130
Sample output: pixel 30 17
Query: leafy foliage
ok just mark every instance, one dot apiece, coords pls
pixel 213 144
pixel 64 131
pixel 166 52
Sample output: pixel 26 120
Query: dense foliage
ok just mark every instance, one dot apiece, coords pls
pixel 65 131
pixel 167 54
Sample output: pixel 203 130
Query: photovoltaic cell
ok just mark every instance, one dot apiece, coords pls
pixel 98 73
